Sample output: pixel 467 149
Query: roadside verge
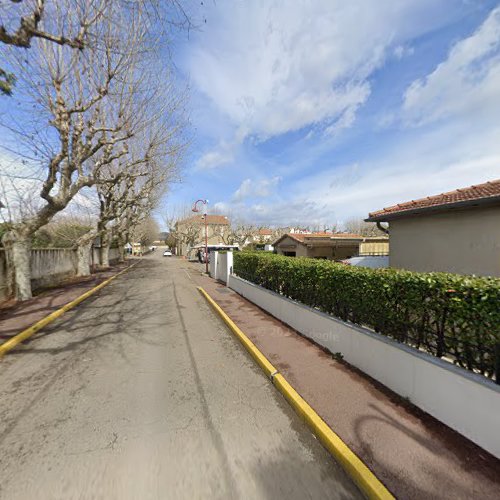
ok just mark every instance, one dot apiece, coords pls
pixel 366 481
pixel 30 331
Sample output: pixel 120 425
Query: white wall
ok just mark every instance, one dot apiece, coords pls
pixel 214 258
pixel 221 265
pixel 371 261
pixel 466 402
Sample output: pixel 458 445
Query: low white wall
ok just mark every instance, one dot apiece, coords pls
pixel 46 261
pixel 221 265
pixel 114 255
pixel 214 259
pixel 466 402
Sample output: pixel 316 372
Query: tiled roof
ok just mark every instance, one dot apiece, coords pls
pixel 486 191
pixel 341 236
pixel 211 219
pixel 265 232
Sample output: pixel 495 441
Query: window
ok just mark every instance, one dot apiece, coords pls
pixel 289 254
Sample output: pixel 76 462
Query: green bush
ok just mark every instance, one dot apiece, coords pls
pixel 448 315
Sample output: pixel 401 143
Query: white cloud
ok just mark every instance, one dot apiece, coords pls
pixel 433 163
pixel 256 189
pixel 346 120
pixel 214 159
pixel 466 84
pixel 271 67
pixel 402 51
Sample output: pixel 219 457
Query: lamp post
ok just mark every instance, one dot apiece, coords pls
pixel 196 209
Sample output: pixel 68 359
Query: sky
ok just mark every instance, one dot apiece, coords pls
pixel 311 112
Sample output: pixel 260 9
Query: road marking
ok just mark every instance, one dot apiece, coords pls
pixel 362 476
pixel 30 331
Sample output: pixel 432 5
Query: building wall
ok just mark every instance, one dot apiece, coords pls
pixel 463 242
pixel 214 238
pixel 340 252
pixel 289 245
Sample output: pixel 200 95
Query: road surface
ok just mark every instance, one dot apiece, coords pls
pixel 142 393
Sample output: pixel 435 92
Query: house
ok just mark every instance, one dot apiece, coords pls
pixel 332 246
pixel 190 232
pixel 455 232
pixel 263 235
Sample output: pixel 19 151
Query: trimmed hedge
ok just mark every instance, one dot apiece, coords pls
pixel 448 315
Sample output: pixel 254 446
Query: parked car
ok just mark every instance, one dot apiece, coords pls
pixel 167 253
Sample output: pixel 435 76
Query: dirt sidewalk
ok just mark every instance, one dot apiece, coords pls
pixel 413 454
pixel 15 317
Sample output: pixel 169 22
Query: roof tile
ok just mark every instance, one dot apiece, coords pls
pixel 211 219
pixel 489 189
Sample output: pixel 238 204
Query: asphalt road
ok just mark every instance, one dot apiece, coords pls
pixel 142 393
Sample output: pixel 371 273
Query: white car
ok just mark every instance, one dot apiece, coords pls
pixel 167 253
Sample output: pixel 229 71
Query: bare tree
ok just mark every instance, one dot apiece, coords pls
pixel 188 233
pixel 359 226
pixel 146 231
pixel 238 233
pixel 130 188
pixel 90 101
pixel 22 21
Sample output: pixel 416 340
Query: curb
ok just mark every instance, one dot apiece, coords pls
pixel 30 331
pixel 363 477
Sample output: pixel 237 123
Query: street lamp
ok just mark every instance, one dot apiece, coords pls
pixel 196 209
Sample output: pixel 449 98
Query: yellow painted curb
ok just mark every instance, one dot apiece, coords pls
pixel 364 478
pixel 26 334
pixel 262 361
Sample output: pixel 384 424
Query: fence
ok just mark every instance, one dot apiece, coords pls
pixel 49 266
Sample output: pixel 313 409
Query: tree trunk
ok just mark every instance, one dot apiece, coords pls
pixel 121 250
pixel 83 254
pixel 18 250
pixel 105 243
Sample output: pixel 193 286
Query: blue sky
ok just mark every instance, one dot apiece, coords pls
pixel 311 112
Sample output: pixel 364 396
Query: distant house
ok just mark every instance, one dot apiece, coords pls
pixel 263 235
pixel 331 246
pixel 190 232
pixel 456 232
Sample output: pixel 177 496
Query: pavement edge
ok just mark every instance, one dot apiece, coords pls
pixel 362 476
pixel 30 331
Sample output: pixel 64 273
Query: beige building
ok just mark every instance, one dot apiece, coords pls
pixel 190 232
pixel 263 235
pixel 455 232
pixel 331 246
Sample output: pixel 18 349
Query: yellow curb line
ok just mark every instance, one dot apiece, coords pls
pixel 363 477
pixel 26 334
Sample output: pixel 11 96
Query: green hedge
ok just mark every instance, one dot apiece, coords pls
pixel 445 314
